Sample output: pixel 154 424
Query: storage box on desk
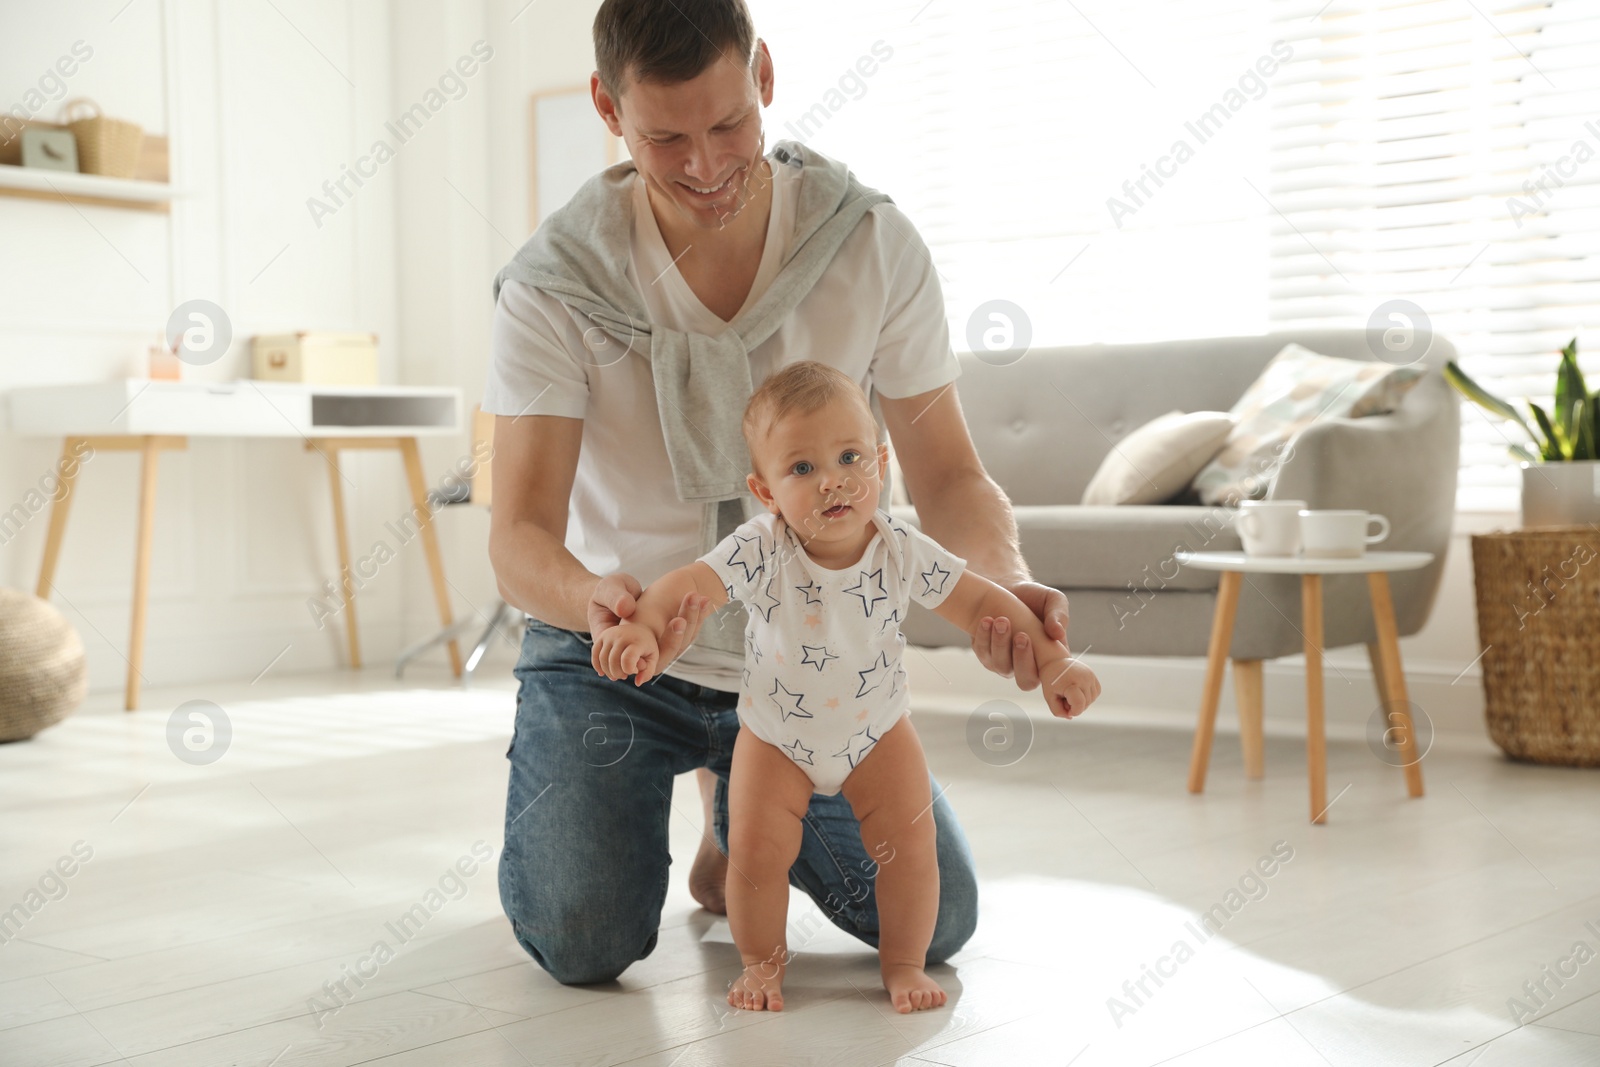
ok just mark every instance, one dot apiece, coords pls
pixel 316 357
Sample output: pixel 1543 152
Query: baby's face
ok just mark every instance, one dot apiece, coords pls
pixel 823 473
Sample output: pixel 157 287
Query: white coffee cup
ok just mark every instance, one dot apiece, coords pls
pixel 1270 527
pixel 1340 534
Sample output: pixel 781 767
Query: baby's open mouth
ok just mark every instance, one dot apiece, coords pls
pixel 837 510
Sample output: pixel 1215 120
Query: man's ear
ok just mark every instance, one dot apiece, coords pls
pixel 764 75
pixel 605 105
pixel 763 494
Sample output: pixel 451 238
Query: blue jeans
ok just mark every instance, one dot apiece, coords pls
pixel 584 872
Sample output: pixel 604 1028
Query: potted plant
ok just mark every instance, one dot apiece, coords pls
pixel 1561 485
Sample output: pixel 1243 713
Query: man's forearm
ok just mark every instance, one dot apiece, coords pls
pixel 972 518
pixel 536 573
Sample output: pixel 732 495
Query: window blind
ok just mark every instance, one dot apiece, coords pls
pixel 1408 146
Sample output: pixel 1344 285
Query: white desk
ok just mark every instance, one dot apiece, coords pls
pixel 148 417
pixel 1247 681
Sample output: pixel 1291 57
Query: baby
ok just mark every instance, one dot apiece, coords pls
pixel 827 577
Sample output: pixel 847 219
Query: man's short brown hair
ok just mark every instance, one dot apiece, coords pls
pixel 801 388
pixel 668 41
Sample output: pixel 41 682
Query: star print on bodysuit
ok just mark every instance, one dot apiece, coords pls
pixel 870 589
pixel 764 601
pixel 748 554
pixel 811 659
pixel 788 703
pixel 872 677
pixel 933 580
pixel 856 749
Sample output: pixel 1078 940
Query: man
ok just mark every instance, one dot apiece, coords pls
pixel 705 253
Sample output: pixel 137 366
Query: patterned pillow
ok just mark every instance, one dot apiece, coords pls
pixel 1296 389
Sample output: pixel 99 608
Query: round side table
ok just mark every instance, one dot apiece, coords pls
pixel 1386 660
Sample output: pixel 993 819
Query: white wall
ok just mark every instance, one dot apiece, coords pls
pixel 262 103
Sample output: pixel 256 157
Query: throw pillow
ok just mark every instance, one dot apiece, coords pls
pixel 1157 461
pixel 1296 389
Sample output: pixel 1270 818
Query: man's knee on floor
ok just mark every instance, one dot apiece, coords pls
pixel 586 959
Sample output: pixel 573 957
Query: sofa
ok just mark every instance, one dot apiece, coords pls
pixel 1043 423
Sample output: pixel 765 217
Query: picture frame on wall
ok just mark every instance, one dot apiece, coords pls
pixel 568 144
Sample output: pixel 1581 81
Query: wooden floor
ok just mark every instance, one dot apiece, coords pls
pixel 219 905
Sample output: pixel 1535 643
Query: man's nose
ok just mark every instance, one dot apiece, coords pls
pixel 698 163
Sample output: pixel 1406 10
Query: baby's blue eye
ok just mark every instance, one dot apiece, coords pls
pixel 803 463
pixel 850 452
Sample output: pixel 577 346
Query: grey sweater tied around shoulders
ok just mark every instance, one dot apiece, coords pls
pixel 580 255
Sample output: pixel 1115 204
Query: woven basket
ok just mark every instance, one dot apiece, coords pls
pixel 1539 623
pixel 105 146
pixel 43 672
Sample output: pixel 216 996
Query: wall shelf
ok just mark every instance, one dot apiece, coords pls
pixel 38 184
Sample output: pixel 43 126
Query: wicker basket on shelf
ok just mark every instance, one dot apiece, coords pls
pixel 1539 623
pixel 105 146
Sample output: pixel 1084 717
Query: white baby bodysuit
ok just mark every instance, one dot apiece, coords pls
pixel 822 677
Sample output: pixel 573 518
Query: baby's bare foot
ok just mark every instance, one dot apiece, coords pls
pixel 708 878
pixel 759 988
pixel 910 989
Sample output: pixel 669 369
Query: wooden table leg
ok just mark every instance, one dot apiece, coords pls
pixel 1216 664
pixel 347 582
pixel 59 510
pixel 150 455
pixel 1397 707
pixel 430 541
pixel 1316 740
pixel 1247 689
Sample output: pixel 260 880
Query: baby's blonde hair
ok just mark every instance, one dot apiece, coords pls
pixel 801 388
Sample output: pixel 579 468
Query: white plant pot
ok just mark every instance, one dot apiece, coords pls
pixel 1561 494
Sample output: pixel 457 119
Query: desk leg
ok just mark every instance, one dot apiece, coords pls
pixel 1397 707
pixel 1216 664
pixel 1316 739
pixel 346 578
pixel 58 517
pixel 1247 689
pixel 150 456
pixel 430 541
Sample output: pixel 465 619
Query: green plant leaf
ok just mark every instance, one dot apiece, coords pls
pixel 1570 393
pixel 1483 398
pixel 1594 419
pixel 1519 452
pixel 1583 444
pixel 1551 447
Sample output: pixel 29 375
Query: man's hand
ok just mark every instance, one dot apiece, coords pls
pixel 624 649
pixel 616 597
pixel 1002 652
pixel 1069 688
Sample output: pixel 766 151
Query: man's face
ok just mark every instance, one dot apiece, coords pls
pixel 699 143
pixel 809 463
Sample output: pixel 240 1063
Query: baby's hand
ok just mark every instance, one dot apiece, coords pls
pixel 1069 687
pixel 624 649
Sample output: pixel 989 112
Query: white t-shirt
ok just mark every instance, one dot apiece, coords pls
pixel 823 678
pixel 877 313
